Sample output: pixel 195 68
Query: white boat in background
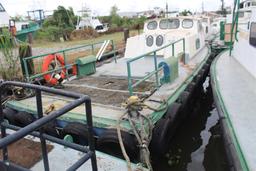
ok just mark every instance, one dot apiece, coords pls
pixel 4 17
pixel 233 80
pixel 88 19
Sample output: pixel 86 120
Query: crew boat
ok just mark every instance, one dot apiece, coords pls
pixel 233 80
pixel 138 100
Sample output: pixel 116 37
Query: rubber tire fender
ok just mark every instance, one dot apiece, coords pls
pixel 108 142
pixel 23 119
pixel 78 131
pixel 164 130
pixel 51 129
pixel 9 114
pixel 185 101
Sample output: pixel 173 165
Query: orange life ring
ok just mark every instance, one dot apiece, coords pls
pixel 50 78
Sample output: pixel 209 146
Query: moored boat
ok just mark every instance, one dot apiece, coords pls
pixel 233 78
pixel 137 101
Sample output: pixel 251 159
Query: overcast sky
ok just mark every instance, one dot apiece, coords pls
pixel 102 7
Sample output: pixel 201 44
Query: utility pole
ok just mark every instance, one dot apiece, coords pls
pixel 222 7
pixel 202 6
pixel 166 13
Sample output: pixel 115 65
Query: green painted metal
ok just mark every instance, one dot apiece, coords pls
pixel 156 70
pixel 216 89
pixel 222 30
pixel 22 34
pixel 63 52
pixel 173 63
pixel 234 24
pixel 86 65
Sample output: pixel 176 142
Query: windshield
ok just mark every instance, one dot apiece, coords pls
pixel 169 24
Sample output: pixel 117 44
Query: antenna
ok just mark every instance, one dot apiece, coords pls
pixel 166 9
pixel 202 6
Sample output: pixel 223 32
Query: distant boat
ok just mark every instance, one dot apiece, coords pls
pixel 87 19
pixel 19 29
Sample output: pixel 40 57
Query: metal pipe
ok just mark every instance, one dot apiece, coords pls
pixel 43 142
pixel 80 162
pixel 51 138
pixel 156 72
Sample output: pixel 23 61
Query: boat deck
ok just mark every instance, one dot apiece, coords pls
pixel 108 88
pixel 236 94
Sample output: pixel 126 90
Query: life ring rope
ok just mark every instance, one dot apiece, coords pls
pixel 50 78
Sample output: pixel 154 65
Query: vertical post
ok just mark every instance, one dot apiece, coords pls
pixel 173 49
pixel 92 49
pixel 3 129
pixel 88 110
pixel 42 140
pixel 156 68
pixel 26 69
pixel 114 50
pixel 129 78
pixel 65 62
pixel 184 45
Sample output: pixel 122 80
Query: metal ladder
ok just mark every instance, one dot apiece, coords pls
pixel 32 129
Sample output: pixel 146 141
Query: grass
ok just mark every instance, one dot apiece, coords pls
pixel 118 38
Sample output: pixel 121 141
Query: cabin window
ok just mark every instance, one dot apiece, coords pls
pixel 152 25
pixel 187 23
pixel 169 24
pixel 1 8
pixel 253 34
pixel 206 29
pixel 150 41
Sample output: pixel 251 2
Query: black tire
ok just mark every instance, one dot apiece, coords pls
pixel 51 129
pixel 9 114
pixel 78 131
pixel 185 99
pixel 165 129
pixel 108 142
pixel 23 119
pixel 191 88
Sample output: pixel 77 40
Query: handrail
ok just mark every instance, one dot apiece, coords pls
pixel 35 127
pixel 235 18
pixel 63 52
pixel 156 70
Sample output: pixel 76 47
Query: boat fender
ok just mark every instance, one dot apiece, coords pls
pixel 167 72
pixel 78 131
pixel 53 78
pixel 184 99
pixel 51 129
pixel 9 114
pixel 108 142
pixel 23 119
pixel 165 129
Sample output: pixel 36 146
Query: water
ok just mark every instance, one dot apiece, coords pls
pixel 197 145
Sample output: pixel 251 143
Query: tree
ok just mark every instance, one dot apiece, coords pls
pixel 186 13
pixel 62 22
pixel 113 11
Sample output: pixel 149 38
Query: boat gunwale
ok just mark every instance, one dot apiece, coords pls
pixel 224 114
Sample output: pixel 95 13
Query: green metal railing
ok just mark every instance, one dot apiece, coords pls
pixel 91 47
pixel 234 23
pixel 156 69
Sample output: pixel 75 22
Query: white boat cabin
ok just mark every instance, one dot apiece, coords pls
pixel 4 17
pixel 160 32
pixel 246 45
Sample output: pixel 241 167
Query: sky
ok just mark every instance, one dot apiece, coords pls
pixel 102 7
